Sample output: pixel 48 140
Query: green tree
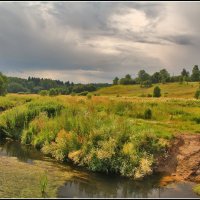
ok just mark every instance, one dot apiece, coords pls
pixel 147 84
pixel 156 77
pixel 127 80
pixel 144 79
pixel 195 73
pixel 53 92
pixel 157 92
pixel 128 76
pixel 185 75
pixel 115 81
pixel 16 87
pixel 3 84
pixel 164 76
pixel 143 76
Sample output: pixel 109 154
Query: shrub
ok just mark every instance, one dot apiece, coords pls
pixel 142 95
pixel 83 93
pixel 43 92
pixel 197 94
pixel 89 96
pixel 145 167
pixel 148 114
pixel 197 120
pixel 149 95
pixel 64 143
pixel 146 84
pixel 157 92
pixel 53 92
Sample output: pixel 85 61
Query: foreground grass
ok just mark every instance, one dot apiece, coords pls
pixel 121 135
pixel 174 90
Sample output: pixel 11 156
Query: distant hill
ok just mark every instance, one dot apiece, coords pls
pixel 179 90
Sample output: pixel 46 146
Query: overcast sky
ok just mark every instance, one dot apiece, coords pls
pixel 96 41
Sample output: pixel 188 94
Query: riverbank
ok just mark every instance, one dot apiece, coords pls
pixel 183 158
pixel 22 166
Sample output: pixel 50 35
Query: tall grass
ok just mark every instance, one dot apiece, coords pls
pixel 14 120
pixel 107 135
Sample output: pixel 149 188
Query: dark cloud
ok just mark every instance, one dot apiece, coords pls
pixel 180 39
pixel 96 40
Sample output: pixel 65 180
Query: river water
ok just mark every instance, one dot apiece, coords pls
pixel 96 185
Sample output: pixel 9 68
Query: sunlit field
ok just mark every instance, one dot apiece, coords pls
pixel 172 90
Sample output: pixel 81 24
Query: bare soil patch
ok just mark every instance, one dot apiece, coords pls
pixel 182 161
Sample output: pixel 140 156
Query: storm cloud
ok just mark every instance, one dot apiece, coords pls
pixel 96 41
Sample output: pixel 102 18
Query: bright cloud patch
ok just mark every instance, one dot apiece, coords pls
pixel 132 20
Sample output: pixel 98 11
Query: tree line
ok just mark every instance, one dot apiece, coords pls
pixel 34 85
pixel 163 76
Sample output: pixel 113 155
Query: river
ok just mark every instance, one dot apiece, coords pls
pixel 82 184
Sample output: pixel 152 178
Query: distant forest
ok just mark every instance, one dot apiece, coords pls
pixel 163 76
pixel 36 85
pixel 54 87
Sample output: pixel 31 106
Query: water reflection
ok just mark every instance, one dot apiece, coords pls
pixel 98 186
pixel 85 184
pixel 101 186
pixel 22 152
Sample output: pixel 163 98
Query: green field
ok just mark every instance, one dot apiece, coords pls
pixel 175 90
pixel 121 135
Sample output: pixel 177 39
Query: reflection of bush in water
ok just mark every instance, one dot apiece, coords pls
pixel 105 186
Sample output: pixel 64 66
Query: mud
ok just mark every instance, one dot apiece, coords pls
pixel 182 160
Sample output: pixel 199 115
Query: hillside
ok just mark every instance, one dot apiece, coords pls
pixel 176 90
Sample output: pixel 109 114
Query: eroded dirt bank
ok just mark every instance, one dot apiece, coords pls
pixel 182 162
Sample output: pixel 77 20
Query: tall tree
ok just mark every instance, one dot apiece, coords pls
pixel 155 78
pixel 195 73
pixel 128 76
pixel 144 79
pixel 115 81
pixel 143 76
pixel 164 75
pixel 185 75
pixel 127 80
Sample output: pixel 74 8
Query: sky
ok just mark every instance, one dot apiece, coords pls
pixel 88 42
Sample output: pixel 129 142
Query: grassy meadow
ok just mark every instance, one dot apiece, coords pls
pixel 171 90
pixel 122 135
